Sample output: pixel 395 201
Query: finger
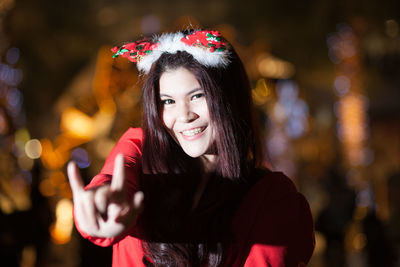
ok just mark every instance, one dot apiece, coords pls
pixel 101 199
pixel 89 211
pixel 118 179
pixel 131 210
pixel 138 200
pixel 74 178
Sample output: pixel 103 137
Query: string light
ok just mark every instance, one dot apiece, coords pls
pixel 351 107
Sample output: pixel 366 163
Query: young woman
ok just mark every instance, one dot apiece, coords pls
pixel 189 189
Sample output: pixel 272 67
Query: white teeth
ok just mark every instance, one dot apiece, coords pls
pixel 192 131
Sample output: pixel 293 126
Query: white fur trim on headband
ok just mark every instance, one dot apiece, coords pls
pixel 171 43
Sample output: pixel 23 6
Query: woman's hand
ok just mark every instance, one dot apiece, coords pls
pixel 105 211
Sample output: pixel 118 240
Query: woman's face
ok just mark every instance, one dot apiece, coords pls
pixel 185 112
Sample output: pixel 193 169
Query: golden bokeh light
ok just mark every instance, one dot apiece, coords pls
pixel 274 68
pixel 57 178
pixel 46 188
pixel 261 93
pixel 53 158
pixel 33 149
pixel 61 229
pixel 77 123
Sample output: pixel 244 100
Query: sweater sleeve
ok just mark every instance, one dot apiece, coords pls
pixel 275 227
pixel 129 145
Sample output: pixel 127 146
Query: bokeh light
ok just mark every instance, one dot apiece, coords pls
pixel 33 149
pixel 81 157
pixel 77 123
pixel 12 55
pixel 61 229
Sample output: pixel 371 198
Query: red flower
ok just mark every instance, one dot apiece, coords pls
pixel 211 40
pixel 134 51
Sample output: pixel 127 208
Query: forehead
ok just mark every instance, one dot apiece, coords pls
pixel 176 81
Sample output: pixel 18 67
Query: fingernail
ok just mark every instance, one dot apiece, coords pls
pixel 120 157
pixel 71 165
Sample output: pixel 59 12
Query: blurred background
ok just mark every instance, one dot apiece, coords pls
pixel 326 85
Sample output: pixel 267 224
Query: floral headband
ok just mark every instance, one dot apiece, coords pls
pixel 207 47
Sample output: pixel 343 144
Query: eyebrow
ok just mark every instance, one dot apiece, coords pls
pixel 189 93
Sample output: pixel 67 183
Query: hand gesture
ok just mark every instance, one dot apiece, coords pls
pixel 105 211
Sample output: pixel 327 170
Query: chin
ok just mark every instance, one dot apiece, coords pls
pixel 194 154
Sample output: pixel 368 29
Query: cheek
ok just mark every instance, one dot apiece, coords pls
pixel 204 112
pixel 167 119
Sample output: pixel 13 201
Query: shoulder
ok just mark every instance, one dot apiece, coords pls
pixel 274 212
pixel 269 197
pixel 271 185
pixel 130 145
pixel 276 199
pixel 134 135
pixel 130 141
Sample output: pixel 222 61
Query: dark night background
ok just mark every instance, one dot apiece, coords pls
pixel 57 48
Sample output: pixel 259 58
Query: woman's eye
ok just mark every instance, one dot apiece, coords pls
pixel 167 101
pixel 197 96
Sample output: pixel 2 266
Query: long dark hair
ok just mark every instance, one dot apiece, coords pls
pixel 228 97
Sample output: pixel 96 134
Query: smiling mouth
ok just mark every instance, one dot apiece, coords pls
pixel 193 132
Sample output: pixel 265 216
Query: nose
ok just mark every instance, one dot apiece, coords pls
pixel 185 113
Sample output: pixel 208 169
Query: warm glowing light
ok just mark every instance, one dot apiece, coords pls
pixel 261 93
pixel 65 190
pixel 46 188
pixel 33 149
pixel 53 158
pixel 61 229
pixel 64 211
pixel 57 178
pixel 103 120
pixel 320 243
pixel 6 205
pixel 352 127
pixel 359 241
pixel 272 67
pixel 77 123
pixel 351 108
pixel 28 257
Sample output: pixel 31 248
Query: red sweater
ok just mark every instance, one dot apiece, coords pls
pixel 272 226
